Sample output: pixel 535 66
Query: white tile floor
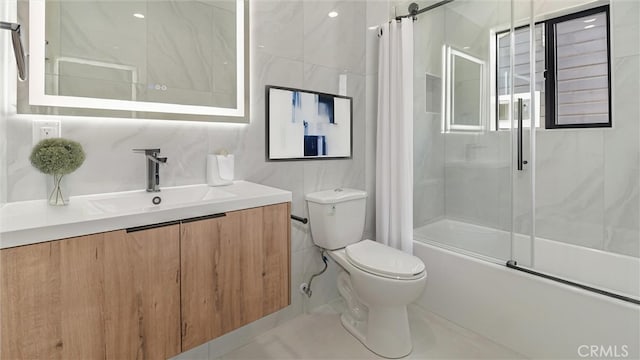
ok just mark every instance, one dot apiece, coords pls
pixel 321 336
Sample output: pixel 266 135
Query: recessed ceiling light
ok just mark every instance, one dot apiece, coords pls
pixel 466 48
pixel 372 27
pixel 333 14
pixel 589 26
pixel 590 20
pixel 139 16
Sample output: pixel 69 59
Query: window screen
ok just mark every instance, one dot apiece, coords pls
pixel 581 70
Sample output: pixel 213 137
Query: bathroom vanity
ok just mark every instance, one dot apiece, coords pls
pixel 146 282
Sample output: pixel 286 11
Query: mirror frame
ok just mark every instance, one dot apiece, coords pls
pixel 142 109
pixel 448 125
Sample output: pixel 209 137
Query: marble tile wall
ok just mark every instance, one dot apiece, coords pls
pixel 293 43
pixel 570 186
pixel 3 138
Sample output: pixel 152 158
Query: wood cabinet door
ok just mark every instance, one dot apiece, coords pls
pixel 143 294
pixel 105 296
pixel 30 302
pixel 235 270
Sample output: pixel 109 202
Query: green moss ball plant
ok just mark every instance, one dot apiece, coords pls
pixel 57 157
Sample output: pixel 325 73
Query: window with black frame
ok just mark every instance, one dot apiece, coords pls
pixel 572 71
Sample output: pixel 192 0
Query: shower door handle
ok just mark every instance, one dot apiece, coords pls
pixel 521 162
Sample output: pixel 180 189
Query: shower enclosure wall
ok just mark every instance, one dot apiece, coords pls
pixel 572 212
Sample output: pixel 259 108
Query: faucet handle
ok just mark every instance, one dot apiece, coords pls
pixel 152 152
pixel 158 159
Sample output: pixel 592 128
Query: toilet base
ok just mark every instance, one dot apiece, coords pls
pixel 385 332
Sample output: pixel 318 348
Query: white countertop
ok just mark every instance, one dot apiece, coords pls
pixel 29 222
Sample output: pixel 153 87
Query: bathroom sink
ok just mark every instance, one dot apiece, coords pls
pixel 141 200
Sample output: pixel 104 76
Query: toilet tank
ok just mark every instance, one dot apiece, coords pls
pixel 336 217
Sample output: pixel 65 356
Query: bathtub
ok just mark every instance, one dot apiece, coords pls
pixel 469 284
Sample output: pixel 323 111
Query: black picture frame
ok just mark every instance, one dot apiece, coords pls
pixel 313 145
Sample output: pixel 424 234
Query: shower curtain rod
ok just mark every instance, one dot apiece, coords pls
pixel 414 10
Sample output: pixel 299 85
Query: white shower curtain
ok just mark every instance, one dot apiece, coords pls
pixel 394 152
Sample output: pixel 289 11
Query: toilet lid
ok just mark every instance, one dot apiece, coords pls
pixel 385 261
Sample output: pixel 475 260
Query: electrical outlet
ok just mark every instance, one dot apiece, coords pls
pixel 45 129
pixel 46 132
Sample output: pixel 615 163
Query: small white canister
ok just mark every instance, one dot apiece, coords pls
pixel 219 169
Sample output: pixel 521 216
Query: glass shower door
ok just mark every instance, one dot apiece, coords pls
pixel 463 182
pixel 523 97
pixel 506 170
pixel 586 153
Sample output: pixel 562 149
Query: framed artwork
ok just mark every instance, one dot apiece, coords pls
pixel 308 125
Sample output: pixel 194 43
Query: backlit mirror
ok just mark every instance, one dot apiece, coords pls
pixel 178 59
pixel 464 91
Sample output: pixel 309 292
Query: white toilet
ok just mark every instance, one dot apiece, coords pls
pixel 377 282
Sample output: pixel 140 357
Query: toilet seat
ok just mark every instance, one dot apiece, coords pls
pixel 384 261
